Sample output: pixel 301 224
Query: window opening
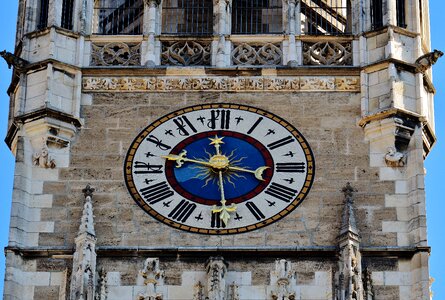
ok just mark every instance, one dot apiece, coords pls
pixel 257 17
pixel 67 14
pixel 120 17
pixel 400 8
pixel 325 17
pixel 376 14
pixel 187 17
pixel 43 14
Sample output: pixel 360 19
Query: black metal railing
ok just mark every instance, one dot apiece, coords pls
pixel 127 18
pixel 257 17
pixel 187 17
pixel 67 14
pixel 325 17
pixel 376 14
pixel 400 9
pixel 43 14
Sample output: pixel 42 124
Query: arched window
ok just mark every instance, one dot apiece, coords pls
pixel 42 21
pixel 185 17
pixel 119 17
pixel 325 17
pixel 257 17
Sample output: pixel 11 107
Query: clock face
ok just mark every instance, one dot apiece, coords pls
pixel 219 168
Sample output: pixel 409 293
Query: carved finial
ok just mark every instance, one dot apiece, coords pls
pixel 348 217
pixel 426 61
pixel 88 191
pixel 13 60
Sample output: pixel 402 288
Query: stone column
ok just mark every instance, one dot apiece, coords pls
pixel 293 18
pixel 391 14
pixel 223 29
pixel 151 21
pixel 54 13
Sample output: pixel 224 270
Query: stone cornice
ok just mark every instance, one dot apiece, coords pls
pixel 227 252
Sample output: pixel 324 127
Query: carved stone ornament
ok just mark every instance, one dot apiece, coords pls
pixel 327 53
pixel 115 54
pixel 102 288
pixel 256 54
pixel 235 84
pixel 198 291
pixel 151 277
pixel 185 53
pixel 395 159
pixel 368 287
pixel 426 61
pixel 216 282
pixel 282 280
pixel 42 158
pixel 233 292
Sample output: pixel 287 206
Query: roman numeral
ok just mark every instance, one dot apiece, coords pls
pixel 255 125
pixel 256 212
pixel 182 123
pixel 291 167
pixel 157 192
pixel 222 115
pixel 216 221
pixel 158 142
pixel 282 142
pixel 281 192
pixel 146 168
pixel 182 211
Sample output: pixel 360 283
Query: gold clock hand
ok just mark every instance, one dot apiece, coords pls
pixel 223 209
pixel 217 142
pixel 258 172
pixel 180 159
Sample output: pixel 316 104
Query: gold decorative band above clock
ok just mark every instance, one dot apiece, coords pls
pixel 218 83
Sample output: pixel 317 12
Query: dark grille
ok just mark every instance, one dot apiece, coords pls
pixel 187 17
pixel 43 14
pixel 257 16
pixel 67 14
pixel 376 14
pixel 325 17
pixel 124 18
pixel 400 8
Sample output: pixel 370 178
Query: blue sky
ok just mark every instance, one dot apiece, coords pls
pixel 434 163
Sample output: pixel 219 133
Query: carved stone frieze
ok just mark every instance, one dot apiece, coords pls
pixel 256 54
pixel 115 54
pixel 235 84
pixel 327 53
pixel 185 53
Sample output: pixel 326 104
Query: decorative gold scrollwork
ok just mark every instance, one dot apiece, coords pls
pixel 327 53
pixel 186 53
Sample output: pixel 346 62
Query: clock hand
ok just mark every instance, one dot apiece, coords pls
pixel 180 159
pixel 223 209
pixel 258 172
pixel 217 142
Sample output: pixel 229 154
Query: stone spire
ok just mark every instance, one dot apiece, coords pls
pixel 349 284
pixel 348 223
pixel 84 258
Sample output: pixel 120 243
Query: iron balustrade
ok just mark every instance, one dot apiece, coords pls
pixel 43 14
pixel 125 17
pixel 257 17
pixel 67 14
pixel 187 17
pixel 325 17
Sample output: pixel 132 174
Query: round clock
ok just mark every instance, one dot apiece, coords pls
pixel 219 168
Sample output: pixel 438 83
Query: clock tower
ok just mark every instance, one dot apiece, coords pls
pixel 220 149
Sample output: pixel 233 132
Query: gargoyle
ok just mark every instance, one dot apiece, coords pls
pixel 426 61
pixel 12 60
